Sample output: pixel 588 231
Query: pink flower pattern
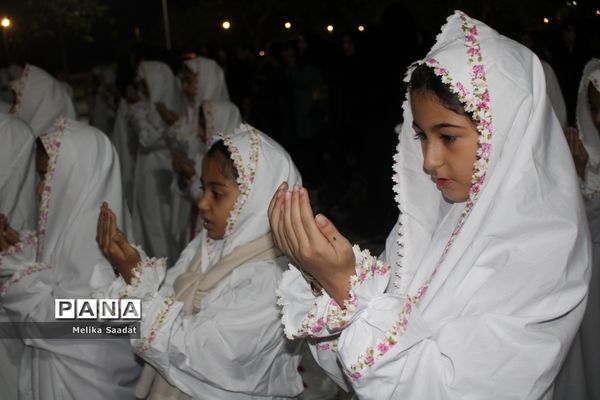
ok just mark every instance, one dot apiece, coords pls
pixel 478 104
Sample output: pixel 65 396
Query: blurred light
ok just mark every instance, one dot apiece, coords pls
pixel 288 25
pixel 261 53
pixel 574 3
pixel 5 22
pixel 226 24
pixel 361 28
pixel 597 12
pixel 329 28
pixel 546 20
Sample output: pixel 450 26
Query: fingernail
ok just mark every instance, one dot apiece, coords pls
pixel 320 219
pixel 296 187
pixel 282 186
pixel 279 193
pixel 288 195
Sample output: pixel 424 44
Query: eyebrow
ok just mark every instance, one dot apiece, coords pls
pixel 213 183
pixel 438 126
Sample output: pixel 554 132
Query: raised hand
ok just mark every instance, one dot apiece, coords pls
pixel 8 236
pixel 183 165
pixel 312 243
pixel 170 117
pixel 580 155
pixel 114 245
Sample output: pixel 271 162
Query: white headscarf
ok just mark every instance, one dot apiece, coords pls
pixel 262 166
pixel 221 116
pixel 587 130
pixel 17 172
pixel 162 85
pixel 524 209
pixel 41 100
pixel 83 171
pixel 210 82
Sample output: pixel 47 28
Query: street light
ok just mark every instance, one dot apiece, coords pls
pixel 226 25
pixel 5 22
pixel 288 25
pixel 361 28
pixel 546 20
pixel 330 28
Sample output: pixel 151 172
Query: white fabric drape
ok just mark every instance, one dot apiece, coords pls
pixel 41 100
pixel 475 300
pixel 57 262
pixel 233 346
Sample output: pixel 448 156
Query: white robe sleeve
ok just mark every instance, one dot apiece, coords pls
pixel 388 350
pixel 146 123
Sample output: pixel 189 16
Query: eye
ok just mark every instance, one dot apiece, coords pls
pixel 448 139
pixel 420 136
pixel 216 194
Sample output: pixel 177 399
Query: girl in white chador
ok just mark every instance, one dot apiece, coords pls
pixel 17 185
pixel 79 169
pixel 40 100
pixel 153 171
pixel 214 117
pixel 202 80
pixel 210 328
pixel 579 376
pixel 483 282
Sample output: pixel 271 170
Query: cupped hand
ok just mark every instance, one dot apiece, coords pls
pixel 580 155
pixel 313 243
pixel 114 245
pixel 170 117
pixel 8 236
pixel 183 165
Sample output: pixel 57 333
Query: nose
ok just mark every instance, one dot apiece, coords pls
pixel 202 202
pixel 433 155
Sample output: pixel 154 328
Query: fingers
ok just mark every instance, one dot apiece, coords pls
pixel 312 231
pixel 288 226
pixel 296 219
pixel 328 229
pixel 279 190
pixel 99 226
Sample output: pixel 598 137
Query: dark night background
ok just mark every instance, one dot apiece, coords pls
pixel 357 81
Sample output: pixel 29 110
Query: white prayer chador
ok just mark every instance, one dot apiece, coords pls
pixel 555 94
pixel 126 143
pixel 17 202
pixel 210 81
pixel 104 107
pixel 153 167
pixel 17 172
pixel 41 100
pixel 579 376
pixel 221 117
pixel 219 340
pixel 474 300
pixel 57 262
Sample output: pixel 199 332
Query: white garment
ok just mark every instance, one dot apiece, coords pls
pixel 233 347
pixel 220 116
pixel 475 300
pixel 41 100
pixel 57 262
pixel 102 114
pixel 126 144
pixel 17 185
pixel 17 172
pixel 555 94
pixel 154 174
pixel 210 81
pixel 578 378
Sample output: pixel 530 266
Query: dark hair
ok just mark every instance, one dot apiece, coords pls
pixel 227 167
pixel 424 79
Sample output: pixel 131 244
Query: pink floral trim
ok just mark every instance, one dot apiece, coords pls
pixel 27 238
pixel 337 318
pixel 246 174
pixel 51 142
pixel 151 262
pixel 160 320
pixel 477 104
pixel 209 117
pixel 32 269
pixel 19 88
pixel 328 346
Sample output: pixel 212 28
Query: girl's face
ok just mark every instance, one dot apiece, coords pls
pixel 41 165
pixel 219 195
pixel 594 103
pixel 449 142
pixel 188 84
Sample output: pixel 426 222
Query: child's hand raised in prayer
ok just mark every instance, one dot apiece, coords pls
pixel 8 236
pixel 170 117
pixel 313 244
pixel 183 165
pixel 580 156
pixel 114 245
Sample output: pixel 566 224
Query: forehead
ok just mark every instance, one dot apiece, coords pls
pixel 214 169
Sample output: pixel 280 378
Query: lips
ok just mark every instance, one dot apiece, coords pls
pixel 443 183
